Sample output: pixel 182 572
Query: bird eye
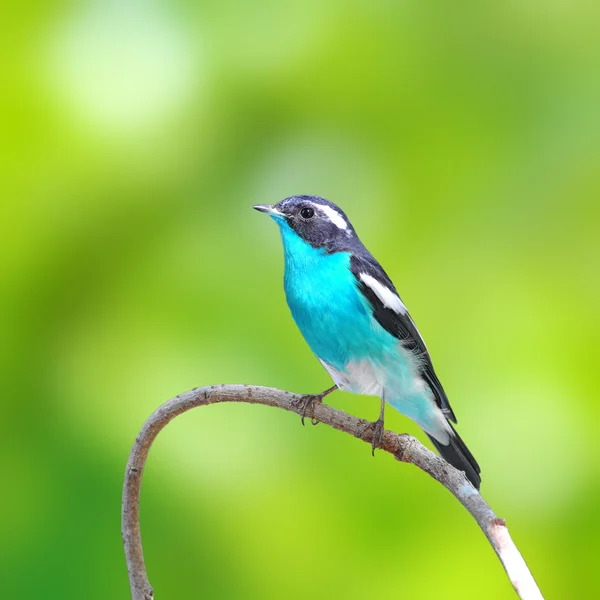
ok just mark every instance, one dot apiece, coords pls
pixel 307 213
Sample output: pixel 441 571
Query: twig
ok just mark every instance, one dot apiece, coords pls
pixel 404 447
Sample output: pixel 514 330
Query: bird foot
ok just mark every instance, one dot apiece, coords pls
pixel 306 401
pixel 312 400
pixel 376 435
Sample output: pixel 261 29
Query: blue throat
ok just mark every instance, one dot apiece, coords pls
pixel 332 314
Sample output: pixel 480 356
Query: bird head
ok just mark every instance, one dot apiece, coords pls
pixel 315 220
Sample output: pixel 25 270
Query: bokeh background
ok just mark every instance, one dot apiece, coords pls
pixel 462 139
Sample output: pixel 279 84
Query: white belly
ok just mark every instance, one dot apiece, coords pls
pixel 361 377
pixel 405 390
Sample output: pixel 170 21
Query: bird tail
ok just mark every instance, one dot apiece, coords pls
pixel 458 455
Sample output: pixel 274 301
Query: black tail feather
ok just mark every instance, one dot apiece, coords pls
pixel 458 455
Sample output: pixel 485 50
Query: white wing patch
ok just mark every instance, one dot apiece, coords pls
pixel 334 216
pixel 387 296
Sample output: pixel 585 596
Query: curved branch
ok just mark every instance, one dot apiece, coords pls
pixel 403 447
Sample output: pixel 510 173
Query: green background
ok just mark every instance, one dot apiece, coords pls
pixel 462 139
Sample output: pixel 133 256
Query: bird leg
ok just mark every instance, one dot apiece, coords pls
pixel 310 400
pixel 378 429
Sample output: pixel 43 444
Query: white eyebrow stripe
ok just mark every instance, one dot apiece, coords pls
pixel 334 216
pixel 387 296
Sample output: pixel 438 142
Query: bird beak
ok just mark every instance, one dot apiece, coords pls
pixel 267 209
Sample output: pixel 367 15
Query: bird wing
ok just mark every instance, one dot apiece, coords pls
pixel 389 311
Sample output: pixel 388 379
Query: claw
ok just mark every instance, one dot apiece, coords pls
pixel 378 429
pixel 311 400
pixel 304 402
pixel 377 440
pixel 376 435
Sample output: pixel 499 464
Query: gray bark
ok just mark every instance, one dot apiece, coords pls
pixel 403 447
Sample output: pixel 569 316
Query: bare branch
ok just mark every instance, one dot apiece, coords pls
pixel 403 447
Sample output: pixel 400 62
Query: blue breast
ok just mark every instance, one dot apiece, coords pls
pixel 329 309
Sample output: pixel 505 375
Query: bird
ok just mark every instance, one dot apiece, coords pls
pixel 356 324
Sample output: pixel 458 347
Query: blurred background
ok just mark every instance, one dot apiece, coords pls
pixel 463 140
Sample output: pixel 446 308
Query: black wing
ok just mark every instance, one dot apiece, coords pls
pixel 400 325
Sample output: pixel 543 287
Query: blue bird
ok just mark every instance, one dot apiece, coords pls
pixel 354 321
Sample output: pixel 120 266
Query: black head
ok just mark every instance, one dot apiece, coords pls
pixel 316 220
